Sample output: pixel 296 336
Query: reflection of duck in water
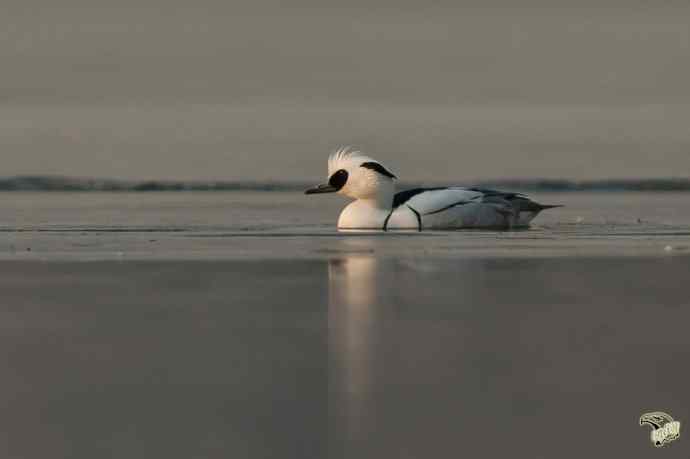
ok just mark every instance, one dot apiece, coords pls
pixel 378 206
pixel 352 300
pixel 352 331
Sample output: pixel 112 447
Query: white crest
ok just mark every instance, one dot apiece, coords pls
pixel 345 157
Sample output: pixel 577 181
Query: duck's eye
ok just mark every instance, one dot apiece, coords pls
pixel 338 179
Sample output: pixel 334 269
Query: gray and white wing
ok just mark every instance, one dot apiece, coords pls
pixel 436 200
pixel 458 207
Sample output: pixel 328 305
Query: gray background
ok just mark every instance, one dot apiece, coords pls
pixel 449 91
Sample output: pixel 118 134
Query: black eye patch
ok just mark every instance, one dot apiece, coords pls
pixel 338 179
pixel 378 168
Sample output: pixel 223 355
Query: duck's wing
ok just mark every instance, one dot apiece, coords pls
pixel 521 202
pixel 429 201
pixel 468 207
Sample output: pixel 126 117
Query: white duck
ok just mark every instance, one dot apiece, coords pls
pixel 378 206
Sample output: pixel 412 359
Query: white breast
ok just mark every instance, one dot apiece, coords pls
pixel 362 214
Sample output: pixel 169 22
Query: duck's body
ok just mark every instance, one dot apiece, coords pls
pixel 378 206
pixel 442 208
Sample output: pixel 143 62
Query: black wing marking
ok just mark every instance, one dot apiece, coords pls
pixel 489 193
pixel 403 196
pixel 378 168
pixel 521 202
pixel 459 203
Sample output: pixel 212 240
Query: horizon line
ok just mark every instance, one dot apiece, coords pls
pixel 67 183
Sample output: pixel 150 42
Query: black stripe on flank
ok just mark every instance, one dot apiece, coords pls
pixel 419 218
pixel 378 168
pixel 385 222
pixel 461 203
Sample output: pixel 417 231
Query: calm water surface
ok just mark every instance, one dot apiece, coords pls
pixel 243 325
pixel 243 225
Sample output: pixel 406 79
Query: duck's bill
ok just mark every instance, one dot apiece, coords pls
pixel 324 188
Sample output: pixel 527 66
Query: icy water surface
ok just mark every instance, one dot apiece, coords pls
pixel 243 325
pixel 243 225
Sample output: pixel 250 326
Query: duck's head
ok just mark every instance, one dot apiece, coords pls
pixel 357 176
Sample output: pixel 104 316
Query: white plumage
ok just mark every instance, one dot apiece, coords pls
pixel 378 206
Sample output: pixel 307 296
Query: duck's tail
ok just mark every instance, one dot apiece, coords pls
pixel 548 206
pixel 531 209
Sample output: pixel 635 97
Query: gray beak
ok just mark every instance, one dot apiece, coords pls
pixel 323 188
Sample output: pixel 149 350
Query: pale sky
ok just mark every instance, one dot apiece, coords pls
pixel 230 90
